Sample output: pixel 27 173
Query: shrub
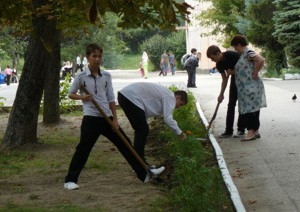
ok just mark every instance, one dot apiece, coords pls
pixel 154 47
pixel 157 44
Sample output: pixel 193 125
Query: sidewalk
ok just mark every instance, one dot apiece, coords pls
pixel 266 171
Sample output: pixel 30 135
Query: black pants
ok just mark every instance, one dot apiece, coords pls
pixel 79 67
pixel 8 79
pixel 233 97
pixel 91 129
pixel 138 121
pixel 251 120
pixel 191 77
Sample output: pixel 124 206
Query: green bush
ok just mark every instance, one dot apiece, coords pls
pixel 290 71
pixel 132 62
pixel 1 103
pixel 177 45
pixel 156 45
pixel 66 104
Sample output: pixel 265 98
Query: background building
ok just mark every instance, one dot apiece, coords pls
pixel 196 38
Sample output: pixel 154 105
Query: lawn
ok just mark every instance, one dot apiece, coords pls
pixel 32 176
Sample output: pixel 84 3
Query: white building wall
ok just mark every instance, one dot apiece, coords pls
pixel 195 37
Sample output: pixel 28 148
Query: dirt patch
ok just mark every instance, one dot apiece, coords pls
pixel 114 187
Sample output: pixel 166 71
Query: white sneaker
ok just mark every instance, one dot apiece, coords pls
pixel 71 186
pixel 147 179
pixel 158 171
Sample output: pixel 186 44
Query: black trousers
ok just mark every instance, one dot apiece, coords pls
pixel 138 121
pixel 233 97
pixel 191 77
pixel 79 67
pixel 91 128
pixel 8 79
pixel 251 120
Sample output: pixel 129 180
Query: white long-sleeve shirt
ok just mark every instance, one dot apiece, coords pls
pixel 155 100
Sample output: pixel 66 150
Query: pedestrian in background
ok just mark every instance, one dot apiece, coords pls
pixel 14 78
pixel 190 65
pixel 79 64
pixel 250 87
pixel 172 62
pixel 165 58
pixel 8 73
pixel 145 60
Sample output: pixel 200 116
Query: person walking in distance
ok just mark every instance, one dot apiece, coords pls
pixel 172 62
pixel 190 65
pixel 145 60
pixel 79 64
pixel 99 85
pixel 8 73
pixel 225 62
pixel 165 64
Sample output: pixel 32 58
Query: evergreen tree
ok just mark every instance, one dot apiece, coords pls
pixel 287 28
pixel 258 27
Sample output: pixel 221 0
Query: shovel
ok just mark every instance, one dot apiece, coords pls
pixel 121 136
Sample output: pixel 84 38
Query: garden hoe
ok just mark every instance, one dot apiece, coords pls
pixel 121 136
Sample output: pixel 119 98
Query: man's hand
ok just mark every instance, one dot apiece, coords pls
pixel 182 136
pixel 115 124
pixel 230 72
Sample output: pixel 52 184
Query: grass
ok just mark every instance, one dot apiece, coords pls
pixel 132 62
pixel 196 183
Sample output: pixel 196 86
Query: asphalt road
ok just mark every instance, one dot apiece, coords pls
pixel 266 171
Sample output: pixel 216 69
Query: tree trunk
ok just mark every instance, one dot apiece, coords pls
pixel 22 123
pixel 51 112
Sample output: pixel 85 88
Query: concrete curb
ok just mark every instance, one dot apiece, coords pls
pixel 234 194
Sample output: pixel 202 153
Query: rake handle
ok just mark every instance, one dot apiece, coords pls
pixel 121 136
pixel 213 117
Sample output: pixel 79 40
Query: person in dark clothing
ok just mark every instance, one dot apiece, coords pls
pixel 225 62
pixel 190 65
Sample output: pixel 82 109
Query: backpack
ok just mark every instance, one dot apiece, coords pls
pixel 184 59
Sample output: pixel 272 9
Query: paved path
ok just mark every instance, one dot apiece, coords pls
pixel 266 171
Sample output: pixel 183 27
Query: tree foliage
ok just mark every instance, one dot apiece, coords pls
pixel 45 20
pixel 108 37
pixel 259 30
pixel 287 28
pixel 12 46
pixel 252 18
pixel 222 17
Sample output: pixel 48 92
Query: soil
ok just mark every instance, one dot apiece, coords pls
pixel 115 189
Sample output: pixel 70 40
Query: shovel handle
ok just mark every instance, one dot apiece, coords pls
pixel 121 136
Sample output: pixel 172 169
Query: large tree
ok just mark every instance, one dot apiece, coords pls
pixel 252 18
pixel 221 17
pixel 259 29
pixel 287 28
pixel 49 17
